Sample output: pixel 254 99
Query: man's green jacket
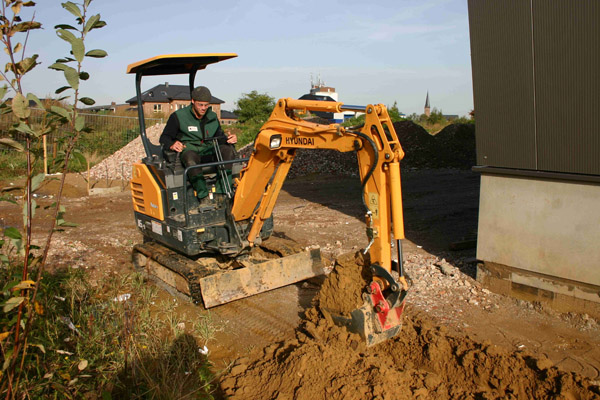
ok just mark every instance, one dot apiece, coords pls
pixel 183 125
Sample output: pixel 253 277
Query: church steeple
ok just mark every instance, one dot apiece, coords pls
pixel 427 107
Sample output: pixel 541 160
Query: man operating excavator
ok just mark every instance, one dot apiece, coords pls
pixel 187 132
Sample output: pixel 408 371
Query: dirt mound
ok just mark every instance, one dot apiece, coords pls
pixel 324 361
pixel 455 146
pixel 452 147
pixel 417 143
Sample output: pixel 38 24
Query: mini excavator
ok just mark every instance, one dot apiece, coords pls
pixel 223 250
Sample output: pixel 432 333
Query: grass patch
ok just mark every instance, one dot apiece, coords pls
pixel 110 341
pixel 12 164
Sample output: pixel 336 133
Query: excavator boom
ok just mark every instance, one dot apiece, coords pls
pixel 379 153
pixel 378 150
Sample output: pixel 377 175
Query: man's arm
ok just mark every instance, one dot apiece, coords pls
pixel 225 137
pixel 171 132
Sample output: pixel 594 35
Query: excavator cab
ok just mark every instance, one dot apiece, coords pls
pixel 198 248
pixel 170 213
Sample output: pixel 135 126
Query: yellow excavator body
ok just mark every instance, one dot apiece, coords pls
pixel 224 250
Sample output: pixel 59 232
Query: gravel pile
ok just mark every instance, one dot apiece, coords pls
pixel 444 288
pixel 118 165
pixel 438 286
pixel 453 147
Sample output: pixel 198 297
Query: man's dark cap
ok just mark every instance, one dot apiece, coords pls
pixel 201 93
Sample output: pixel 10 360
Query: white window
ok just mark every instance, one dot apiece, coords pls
pixel 157 108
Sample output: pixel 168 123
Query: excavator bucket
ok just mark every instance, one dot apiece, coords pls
pixel 375 321
pixel 380 316
pixel 205 280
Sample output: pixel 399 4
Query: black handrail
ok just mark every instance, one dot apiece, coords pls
pixel 191 167
pixel 138 93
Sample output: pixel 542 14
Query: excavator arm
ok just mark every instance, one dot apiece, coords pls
pixel 379 153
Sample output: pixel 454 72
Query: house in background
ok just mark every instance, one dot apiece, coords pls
pixel 166 99
pixel 112 107
pixel 228 118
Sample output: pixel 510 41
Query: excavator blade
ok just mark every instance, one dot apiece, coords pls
pixel 257 278
pixel 205 281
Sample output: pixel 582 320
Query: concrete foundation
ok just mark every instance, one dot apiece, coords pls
pixel 559 294
pixel 539 239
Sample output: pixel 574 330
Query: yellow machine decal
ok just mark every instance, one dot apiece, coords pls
pixel 374 204
pixel 300 141
pixel 145 192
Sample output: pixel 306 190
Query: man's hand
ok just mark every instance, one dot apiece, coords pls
pixel 177 146
pixel 231 138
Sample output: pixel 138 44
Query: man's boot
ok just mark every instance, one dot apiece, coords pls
pixel 206 202
pixel 199 185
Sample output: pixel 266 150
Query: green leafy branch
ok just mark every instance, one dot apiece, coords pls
pixel 25 291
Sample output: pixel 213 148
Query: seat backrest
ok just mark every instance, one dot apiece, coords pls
pixel 156 151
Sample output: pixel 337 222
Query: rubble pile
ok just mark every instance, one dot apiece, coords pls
pixel 118 165
pixel 453 147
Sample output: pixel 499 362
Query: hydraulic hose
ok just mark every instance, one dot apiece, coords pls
pixel 372 169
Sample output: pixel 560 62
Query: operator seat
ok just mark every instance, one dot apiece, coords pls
pixel 175 168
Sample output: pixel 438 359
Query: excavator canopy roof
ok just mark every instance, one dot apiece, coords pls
pixel 176 63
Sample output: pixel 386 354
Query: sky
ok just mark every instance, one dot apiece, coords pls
pixel 390 51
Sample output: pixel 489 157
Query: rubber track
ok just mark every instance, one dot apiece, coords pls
pixel 192 271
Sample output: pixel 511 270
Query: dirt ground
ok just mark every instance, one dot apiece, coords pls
pixel 458 339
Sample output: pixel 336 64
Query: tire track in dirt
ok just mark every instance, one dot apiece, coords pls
pixel 258 321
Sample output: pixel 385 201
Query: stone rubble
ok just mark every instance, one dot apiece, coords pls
pixel 118 165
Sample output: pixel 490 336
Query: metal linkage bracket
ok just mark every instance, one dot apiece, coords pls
pixel 397 295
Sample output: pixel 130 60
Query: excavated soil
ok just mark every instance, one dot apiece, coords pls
pixel 324 361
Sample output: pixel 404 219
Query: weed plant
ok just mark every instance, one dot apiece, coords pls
pixel 113 340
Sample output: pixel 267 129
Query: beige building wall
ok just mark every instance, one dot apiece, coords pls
pixel 543 226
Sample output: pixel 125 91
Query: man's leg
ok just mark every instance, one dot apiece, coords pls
pixel 190 158
pixel 228 153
